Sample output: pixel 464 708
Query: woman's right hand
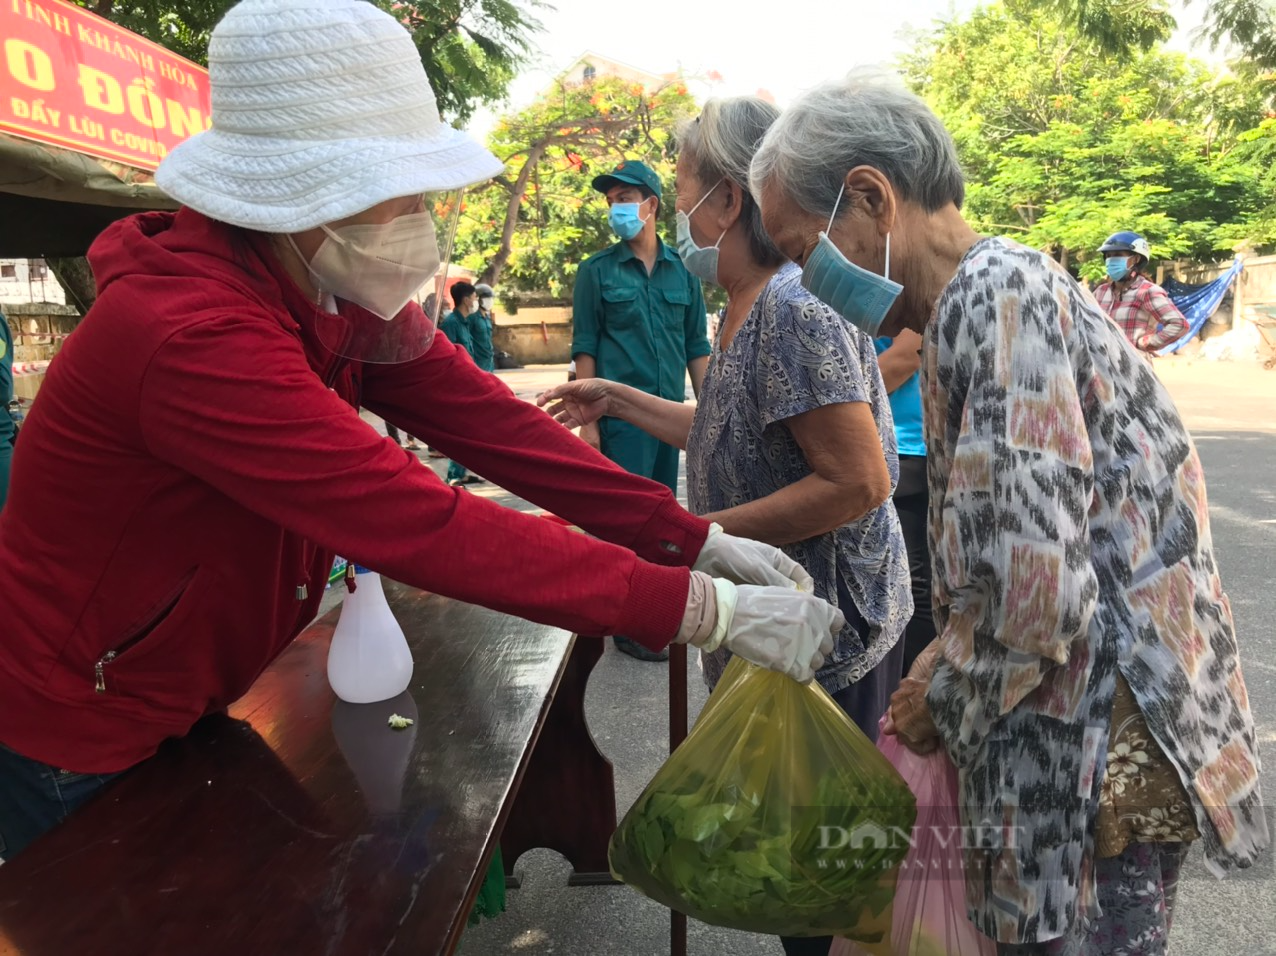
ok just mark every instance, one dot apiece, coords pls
pixel 578 403
pixel 779 628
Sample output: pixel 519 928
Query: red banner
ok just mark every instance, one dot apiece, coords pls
pixel 70 78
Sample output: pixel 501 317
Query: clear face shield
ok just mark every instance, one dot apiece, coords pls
pixel 381 284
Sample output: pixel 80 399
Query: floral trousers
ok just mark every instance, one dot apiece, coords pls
pixel 1136 893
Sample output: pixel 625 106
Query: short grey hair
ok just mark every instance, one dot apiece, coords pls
pixel 867 119
pixel 720 144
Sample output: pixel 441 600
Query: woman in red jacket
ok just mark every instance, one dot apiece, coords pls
pixel 197 456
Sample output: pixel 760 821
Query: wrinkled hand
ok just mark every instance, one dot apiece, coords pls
pixel 744 561
pixel 909 717
pixel 590 435
pixel 579 403
pixel 780 629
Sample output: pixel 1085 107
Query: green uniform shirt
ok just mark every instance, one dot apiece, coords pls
pixel 641 329
pixel 481 335
pixel 6 393
pixel 457 330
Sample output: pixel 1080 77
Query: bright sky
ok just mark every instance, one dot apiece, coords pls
pixel 748 42
pixel 782 46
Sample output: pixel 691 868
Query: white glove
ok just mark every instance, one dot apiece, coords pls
pixel 780 629
pixel 744 561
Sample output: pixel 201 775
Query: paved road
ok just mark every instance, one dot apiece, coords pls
pixel 1231 409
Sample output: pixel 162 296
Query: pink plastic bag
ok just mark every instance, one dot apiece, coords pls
pixel 930 902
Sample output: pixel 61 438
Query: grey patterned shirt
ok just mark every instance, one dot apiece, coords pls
pixel 793 355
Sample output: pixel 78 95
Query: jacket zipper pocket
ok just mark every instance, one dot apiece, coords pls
pixel 165 608
pixel 99 683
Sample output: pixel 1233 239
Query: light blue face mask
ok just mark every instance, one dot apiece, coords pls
pixel 861 297
pixel 625 221
pixel 701 261
pixel 1118 268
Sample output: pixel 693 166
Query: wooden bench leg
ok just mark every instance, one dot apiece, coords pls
pixel 567 799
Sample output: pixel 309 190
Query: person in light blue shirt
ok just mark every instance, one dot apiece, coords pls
pixel 900 361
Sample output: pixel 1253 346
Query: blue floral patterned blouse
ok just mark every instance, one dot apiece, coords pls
pixel 793 355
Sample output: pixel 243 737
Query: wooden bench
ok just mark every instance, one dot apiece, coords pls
pixel 301 824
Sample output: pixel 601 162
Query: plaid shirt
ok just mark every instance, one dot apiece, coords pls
pixel 1143 312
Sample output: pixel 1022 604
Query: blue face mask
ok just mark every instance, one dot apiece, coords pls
pixel 701 261
pixel 861 297
pixel 625 221
pixel 1117 267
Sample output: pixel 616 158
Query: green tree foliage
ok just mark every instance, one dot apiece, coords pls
pixel 1250 24
pixel 1116 28
pixel 530 228
pixel 471 48
pixel 1063 145
pixel 181 27
pixel 1124 26
pixel 1256 149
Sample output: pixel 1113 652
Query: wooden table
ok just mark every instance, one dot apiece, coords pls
pixel 301 824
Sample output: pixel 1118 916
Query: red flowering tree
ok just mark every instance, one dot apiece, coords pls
pixel 530 228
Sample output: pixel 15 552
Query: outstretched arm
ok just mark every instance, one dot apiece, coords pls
pixel 581 403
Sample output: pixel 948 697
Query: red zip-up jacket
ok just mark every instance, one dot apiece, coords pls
pixel 186 470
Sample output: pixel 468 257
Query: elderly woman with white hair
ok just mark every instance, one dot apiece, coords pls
pixel 210 400
pixel 1086 680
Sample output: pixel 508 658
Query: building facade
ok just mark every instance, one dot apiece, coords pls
pixel 28 280
pixel 589 66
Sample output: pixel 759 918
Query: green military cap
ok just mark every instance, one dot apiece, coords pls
pixel 630 172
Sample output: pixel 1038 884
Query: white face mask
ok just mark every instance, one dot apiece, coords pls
pixel 486 303
pixel 378 266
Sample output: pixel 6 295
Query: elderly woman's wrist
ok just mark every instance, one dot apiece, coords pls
pixel 620 400
pixel 924 664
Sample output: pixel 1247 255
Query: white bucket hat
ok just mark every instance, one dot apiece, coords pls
pixel 321 109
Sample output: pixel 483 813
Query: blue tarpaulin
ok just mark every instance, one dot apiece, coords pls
pixel 1198 302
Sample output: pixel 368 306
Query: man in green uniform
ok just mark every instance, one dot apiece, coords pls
pixel 6 393
pixel 456 326
pixel 638 318
pixel 480 323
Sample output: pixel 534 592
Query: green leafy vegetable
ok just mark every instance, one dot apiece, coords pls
pixel 775 816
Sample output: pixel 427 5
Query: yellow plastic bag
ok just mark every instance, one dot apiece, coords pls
pixel 776 815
